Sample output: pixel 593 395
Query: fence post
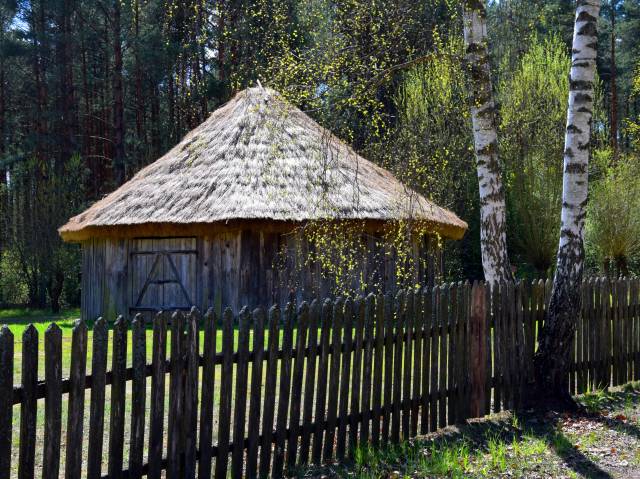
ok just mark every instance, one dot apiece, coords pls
pixel 478 349
pixel 6 399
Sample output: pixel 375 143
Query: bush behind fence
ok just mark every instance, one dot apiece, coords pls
pixel 305 386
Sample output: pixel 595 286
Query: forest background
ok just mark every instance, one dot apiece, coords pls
pixel 93 90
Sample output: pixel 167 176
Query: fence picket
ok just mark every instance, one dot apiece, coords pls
pixel 345 376
pixel 256 390
pixel 206 401
pixel 310 378
pixel 377 370
pixel 520 364
pixel 158 369
pixel 176 382
pixel 407 318
pixel 627 331
pixel 28 408
pixel 462 350
pixel 118 392
pixel 224 409
pixel 285 390
pixel 607 336
pixel 96 412
pixel 190 402
pixel 321 396
pixel 397 366
pixel 240 402
pixel 478 349
pixel 417 361
pixel 296 385
pixel 139 392
pixel 496 315
pixel 6 399
pixel 388 366
pixel 435 346
pixel 598 340
pixel 270 391
pixel 358 310
pixel 636 330
pixel 489 348
pixel 53 401
pixel 425 320
pixel 367 368
pixel 442 380
pixel 75 414
pixel 451 326
pixel 334 380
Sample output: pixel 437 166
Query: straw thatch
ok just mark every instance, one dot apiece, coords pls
pixel 258 158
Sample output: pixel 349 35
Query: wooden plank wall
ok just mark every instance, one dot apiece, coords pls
pixel 254 268
pixel 378 369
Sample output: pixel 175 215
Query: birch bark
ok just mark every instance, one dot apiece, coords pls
pixel 556 338
pixel 493 238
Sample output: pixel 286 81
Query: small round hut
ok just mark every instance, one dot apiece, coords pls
pixel 231 216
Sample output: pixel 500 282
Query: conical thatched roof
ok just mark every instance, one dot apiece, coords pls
pixel 258 158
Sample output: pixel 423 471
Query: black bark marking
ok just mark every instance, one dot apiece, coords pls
pixel 583 98
pixel 581 85
pixel 573 168
pixel 590 29
pixel 585 16
pixel 489 150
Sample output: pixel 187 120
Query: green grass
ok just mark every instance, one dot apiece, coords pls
pixel 527 445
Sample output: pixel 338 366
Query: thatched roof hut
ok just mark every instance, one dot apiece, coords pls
pixel 257 166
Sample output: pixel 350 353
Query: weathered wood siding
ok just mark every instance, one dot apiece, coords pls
pixel 255 268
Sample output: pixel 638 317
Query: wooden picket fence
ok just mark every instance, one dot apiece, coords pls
pixel 303 386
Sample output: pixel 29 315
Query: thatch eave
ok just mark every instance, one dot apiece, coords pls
pixel 165 230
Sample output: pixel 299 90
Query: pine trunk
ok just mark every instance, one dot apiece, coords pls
pixel 614 87
pixel 118 100
pixel 493 238
pixel 556 338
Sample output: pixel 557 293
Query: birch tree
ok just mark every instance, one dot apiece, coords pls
pixel 493 238
pixel 556 338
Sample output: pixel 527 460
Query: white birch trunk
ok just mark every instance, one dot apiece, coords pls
pixel 556 339
pixel 493 238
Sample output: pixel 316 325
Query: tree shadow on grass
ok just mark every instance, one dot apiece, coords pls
pixel 479 437
pixel 507 429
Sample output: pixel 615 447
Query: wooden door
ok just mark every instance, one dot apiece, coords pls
pixel 163 274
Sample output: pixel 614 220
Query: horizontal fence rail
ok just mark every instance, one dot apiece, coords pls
pixel 258 393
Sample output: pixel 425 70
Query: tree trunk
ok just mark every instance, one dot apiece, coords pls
pixel 140 106
pixel 118 101
pixel 67 125
pixel 556 338
pixel 614 88
pixel 493 238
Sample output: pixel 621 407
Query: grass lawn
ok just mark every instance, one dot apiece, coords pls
pixel 19 319
pixel 602 444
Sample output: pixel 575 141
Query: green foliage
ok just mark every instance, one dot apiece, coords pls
pixel 432 146
pixel 385 75
pixel 533 117
pixel 13 288
pixel 613 223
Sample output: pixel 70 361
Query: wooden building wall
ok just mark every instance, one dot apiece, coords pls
pixel 126 276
